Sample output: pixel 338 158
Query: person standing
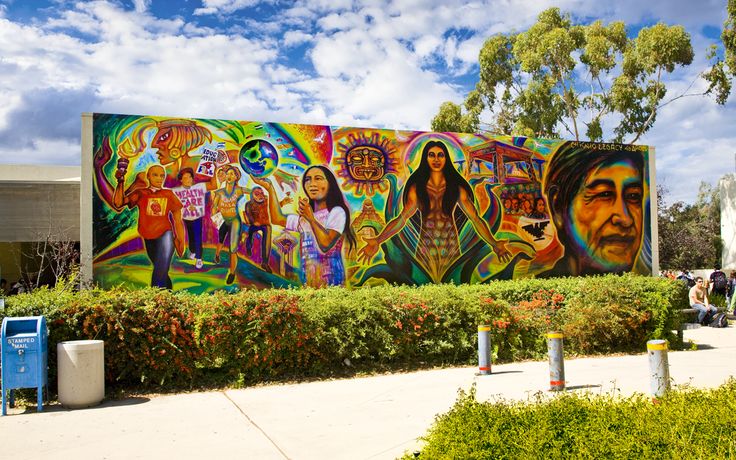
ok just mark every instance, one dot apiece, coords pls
pixel 731 289
pixel 435 191
pixel 225 202
pixel 323 223
pixel 192 197
pixel 718 281
pixel 158 209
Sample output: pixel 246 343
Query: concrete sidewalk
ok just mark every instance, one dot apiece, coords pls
pixel 362 418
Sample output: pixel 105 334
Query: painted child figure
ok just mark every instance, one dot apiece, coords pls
pixel 259 220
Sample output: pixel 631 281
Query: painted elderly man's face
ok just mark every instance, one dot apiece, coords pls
pixel 605 217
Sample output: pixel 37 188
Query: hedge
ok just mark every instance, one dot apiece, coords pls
pixel 167 340
pixel 687 423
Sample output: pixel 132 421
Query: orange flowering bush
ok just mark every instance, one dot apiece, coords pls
pixel 157 338
pixel 148 337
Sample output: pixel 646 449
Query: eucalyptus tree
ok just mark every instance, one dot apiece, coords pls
pixel 560 79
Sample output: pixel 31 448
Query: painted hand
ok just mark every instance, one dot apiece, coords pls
pixel 103 154
pixel 501 250
pixel 366 253
pixel 261 181
pixel 122 169
pixel 305 209
pixel 179 244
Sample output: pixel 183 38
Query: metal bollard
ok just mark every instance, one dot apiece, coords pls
pixel 556 361
pixel 659 368
pixel 484 349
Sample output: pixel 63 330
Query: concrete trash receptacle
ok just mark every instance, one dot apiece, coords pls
pixel 81 367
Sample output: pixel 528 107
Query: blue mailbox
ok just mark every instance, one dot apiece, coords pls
pixel 24 356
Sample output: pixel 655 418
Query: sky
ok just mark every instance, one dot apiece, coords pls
pixel 368 63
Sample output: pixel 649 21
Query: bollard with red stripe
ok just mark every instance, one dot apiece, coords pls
pixel 556 361
pixel 484 349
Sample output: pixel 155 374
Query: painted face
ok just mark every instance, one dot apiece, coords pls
pixel 162 142
pixel 515 204
pixel 315 184
pixel 540 206
pixel 605 217
pixel 526 205
pixel 156 176
pixel 366 163
pixel 221 175
pixel 230 176
pixel 507 204
pixel 436 158
pixel 187 180
pixel 258 195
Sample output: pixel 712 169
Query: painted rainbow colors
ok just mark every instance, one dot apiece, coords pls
pixel 417 207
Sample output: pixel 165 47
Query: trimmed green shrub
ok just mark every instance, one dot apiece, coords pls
pixel 161 339
pixel 683 424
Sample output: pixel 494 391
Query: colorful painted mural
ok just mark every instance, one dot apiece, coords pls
pixel 205 205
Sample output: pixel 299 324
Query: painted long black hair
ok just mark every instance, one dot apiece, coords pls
pixel 454 181
pixel 334 198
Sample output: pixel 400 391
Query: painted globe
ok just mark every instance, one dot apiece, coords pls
pixel 258 158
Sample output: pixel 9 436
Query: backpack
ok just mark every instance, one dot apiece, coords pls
pixel 719 320
pixel 689 282
pixel 719 281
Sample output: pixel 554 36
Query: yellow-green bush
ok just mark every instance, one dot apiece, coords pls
pixel 683 424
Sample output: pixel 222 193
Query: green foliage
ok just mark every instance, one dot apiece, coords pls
pixel 552 73
pixel 723 69
pixel 155 338
pixel 690 235
pixel 683 424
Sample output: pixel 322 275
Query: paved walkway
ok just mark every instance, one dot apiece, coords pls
pixel 363 418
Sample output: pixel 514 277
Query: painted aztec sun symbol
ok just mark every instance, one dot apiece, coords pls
pixel 364 161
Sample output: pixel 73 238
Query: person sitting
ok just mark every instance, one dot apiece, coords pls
pixel 699 300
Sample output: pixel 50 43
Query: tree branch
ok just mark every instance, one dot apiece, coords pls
pixel 652 113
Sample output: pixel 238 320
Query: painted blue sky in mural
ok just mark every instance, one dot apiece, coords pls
pixel 381 63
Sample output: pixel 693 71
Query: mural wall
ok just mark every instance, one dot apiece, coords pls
pixel 205 205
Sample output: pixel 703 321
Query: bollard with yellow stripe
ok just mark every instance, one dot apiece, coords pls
pixel 657 345
pixel 556 361
pixel 484 349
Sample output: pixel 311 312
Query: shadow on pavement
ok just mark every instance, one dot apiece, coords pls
pixel 582 387
pixel 56 407
pixel 498 373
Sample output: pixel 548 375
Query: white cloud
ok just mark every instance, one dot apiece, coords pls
pixel 223 6
pixel 383 63
pixel 141 5
pixel 295 37
pixel 425 45
pixel 42 151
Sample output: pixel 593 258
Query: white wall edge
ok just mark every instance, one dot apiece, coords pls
pixel 85 201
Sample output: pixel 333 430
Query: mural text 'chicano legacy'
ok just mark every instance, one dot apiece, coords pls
pixel 204 204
